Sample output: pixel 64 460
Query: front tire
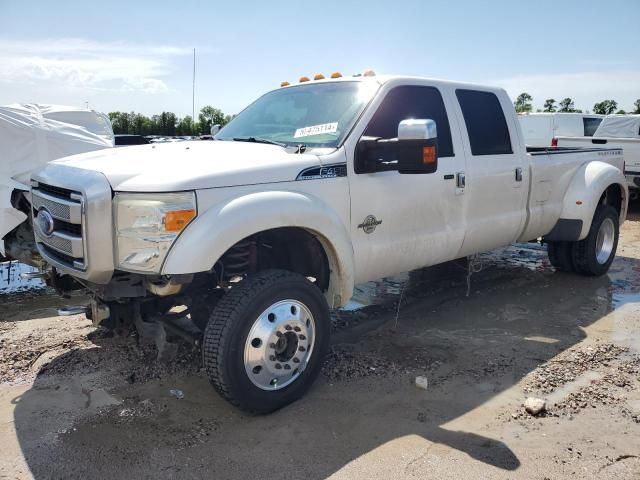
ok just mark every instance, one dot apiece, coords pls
pixel 593 255
pixel 266 339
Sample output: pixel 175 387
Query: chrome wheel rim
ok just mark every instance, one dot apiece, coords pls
pixel 279 345
pixel 604 241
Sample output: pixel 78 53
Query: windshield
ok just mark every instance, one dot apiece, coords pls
pixel 316 115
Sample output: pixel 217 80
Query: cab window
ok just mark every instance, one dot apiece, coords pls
pixel 486 125
pixel 412 102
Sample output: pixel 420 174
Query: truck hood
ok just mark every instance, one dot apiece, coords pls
pixel 192 165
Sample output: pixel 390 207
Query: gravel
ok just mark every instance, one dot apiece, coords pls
pixel 567 366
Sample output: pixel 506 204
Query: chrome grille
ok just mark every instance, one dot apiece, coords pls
pixel 65 209
pixel 66 236
pixel 58 210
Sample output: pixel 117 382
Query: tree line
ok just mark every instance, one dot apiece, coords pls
pixel 168 123
pixel 606 107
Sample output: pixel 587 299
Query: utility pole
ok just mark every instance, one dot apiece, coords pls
pixel 193 92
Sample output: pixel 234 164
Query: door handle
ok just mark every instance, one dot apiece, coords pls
pixel 461 180
pixel 518 174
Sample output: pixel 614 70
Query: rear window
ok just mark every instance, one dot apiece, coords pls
pixel 486 125
pixel 590 126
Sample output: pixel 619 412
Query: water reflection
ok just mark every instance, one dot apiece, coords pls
pixel 11 280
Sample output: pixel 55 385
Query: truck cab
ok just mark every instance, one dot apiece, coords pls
pixel 311 189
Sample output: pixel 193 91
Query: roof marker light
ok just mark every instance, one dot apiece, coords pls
pixel 285 84
pixel 303 79
pixel 368 73
pixel 318 76
pixel 336 75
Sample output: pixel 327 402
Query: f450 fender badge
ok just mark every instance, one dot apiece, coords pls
pixel 369 224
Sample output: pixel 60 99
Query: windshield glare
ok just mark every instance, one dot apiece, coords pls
pixel 316 115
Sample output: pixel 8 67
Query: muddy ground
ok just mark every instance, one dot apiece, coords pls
pixel 77 403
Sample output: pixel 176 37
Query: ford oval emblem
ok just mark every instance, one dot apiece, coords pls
pixel 45 221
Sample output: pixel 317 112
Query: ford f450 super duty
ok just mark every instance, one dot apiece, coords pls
pixel 310 190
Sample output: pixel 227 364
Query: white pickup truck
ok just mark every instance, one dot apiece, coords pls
pixel 615 131
pixel 311 189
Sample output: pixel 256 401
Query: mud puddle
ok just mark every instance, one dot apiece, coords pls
pixel 11 280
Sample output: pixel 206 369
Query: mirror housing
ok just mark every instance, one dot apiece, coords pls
pixel 415 150
pixel 215 129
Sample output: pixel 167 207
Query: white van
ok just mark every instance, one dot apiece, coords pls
pixel 539 129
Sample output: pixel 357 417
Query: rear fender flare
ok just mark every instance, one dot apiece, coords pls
pixel 583 195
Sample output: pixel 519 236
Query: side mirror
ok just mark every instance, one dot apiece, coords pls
pixel 215 129
pixel 415 150
pixel 418 141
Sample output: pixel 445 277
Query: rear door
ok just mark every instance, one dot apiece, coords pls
pixel 496 173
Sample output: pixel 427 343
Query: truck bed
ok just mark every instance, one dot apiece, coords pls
pixel 551 171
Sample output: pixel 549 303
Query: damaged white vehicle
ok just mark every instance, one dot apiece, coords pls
pixel 31 135
pixel 311 189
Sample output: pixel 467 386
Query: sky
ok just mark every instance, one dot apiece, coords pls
pixel 138 55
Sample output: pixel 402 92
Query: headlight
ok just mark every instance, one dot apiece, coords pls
pixel 146 226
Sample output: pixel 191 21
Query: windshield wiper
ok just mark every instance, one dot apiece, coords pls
pixel 258 140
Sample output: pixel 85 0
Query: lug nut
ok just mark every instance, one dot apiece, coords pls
pixel 287 366
pixel 272 345
pixel 301 348
pixel 287 327
pixel 297 329
pixel 278 334
pixel 302 337
pixel 272 358
pixel 295 360
pixel 278 366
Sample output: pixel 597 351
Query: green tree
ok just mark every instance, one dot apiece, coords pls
pixel 636 106
pixel 621 112
pixel 185 126
pixel 566 106
pixel 211 116
pixel 550 105
pixel 167 123
pixel 523 103
pixel 606 107
pixel 119 122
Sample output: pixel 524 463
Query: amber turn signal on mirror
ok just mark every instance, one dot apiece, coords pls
pixel 429 155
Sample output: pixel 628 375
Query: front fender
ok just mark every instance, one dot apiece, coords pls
pixel 208 237
pixel 583 194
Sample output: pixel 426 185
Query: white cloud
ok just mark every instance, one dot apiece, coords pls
pixel 585 88
pixel 86 64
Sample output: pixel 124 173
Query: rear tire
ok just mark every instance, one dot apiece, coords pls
pixel 266 340
pixel 561 256
pixel 593 255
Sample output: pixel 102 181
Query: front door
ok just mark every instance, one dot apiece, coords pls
pixel 400 222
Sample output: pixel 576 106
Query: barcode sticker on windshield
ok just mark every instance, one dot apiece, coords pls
pixel 316 130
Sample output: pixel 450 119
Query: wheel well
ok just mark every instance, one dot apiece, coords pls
pixel 613 196
pixel 288 248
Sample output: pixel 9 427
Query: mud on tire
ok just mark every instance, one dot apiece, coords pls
pixel 226 338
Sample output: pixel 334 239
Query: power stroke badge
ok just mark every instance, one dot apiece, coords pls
pixel 369 224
